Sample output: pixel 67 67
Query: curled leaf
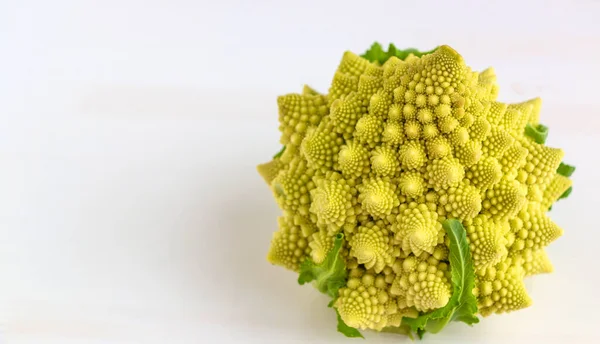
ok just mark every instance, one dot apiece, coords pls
pixel 462 306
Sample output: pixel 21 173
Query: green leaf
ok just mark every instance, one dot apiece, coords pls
pixel 280 153
pixel 565 170
pixel 566 193
pixel 377 54
pixel 538 132
pixel 402 329
pixel 330 275
pixel 345 329
pixel 392 50
pixel 462 306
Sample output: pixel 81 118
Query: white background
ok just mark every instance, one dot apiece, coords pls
pixel 130 209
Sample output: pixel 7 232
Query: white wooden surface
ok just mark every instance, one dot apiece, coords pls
pixel 130 210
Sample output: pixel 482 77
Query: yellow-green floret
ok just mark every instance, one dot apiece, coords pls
pixel 396 147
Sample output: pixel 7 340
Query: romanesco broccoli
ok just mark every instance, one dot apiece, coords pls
pixel 410 195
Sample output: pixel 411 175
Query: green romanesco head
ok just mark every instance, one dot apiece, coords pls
pixel 400 143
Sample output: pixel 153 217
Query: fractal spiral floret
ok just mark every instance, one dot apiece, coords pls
pixel 411 195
